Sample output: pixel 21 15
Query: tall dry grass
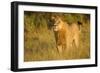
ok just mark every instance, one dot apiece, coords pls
pixel 39 40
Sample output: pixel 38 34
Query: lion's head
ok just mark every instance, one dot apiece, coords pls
pixel 58 23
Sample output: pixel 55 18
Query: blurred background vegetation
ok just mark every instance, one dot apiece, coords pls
pixel 39 40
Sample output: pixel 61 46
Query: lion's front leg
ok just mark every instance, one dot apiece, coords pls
pixel 59 48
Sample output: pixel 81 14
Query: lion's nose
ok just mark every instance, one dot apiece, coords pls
pixel 55 25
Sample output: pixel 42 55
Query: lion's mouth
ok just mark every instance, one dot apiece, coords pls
pixel 55 28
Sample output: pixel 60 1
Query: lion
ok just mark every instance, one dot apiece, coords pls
pixel 66 35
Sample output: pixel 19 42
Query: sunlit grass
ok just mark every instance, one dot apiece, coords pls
pixel 40 44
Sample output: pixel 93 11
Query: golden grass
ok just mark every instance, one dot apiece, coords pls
pixel 40 43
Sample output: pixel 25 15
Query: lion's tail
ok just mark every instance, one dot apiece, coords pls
pixel 80 25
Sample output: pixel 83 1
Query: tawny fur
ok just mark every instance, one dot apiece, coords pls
pixel 66 35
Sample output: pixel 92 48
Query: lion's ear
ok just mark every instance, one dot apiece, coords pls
pixel 52 17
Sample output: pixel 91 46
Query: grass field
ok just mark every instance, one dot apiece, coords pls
pixel 39 40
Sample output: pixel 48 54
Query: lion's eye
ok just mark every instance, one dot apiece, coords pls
pixel 58 22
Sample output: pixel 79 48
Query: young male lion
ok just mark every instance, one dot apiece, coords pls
pixel 66 35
